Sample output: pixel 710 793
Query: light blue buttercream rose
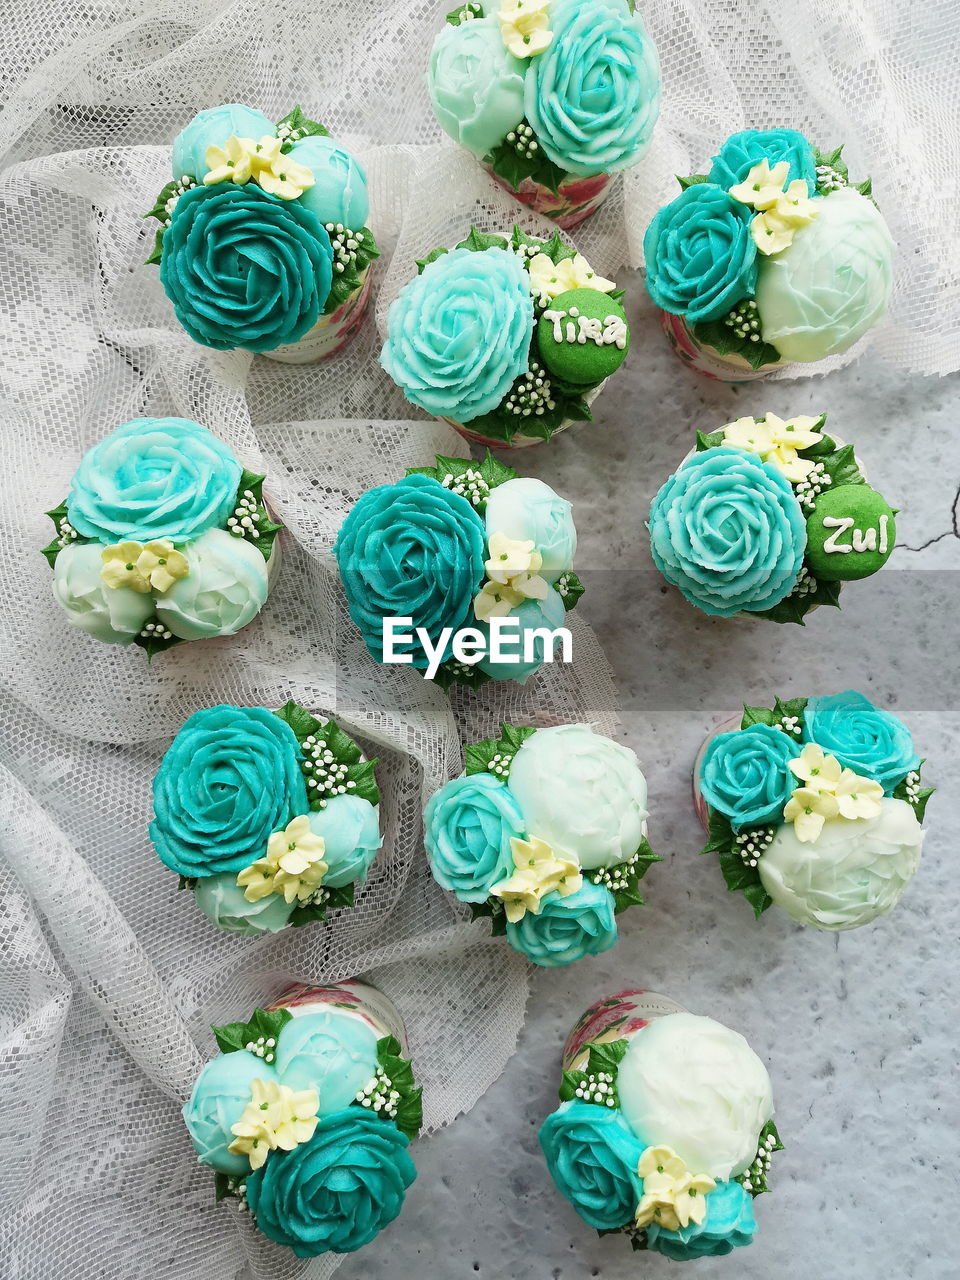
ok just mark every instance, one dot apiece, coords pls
pixel 475 84
pixel 467 828
pixel 230 778
pixel 212 128
pixel 528 510
pixel 219 1097
pixel 331 1051
pixel 411 549
pixel 567 929
pixel 746 775
pixel 864 738
pixel 592 1157
pixel 743 150
pixel 244 268
pixel 701 259
pixel 339 191
pixel 223 901
pixel 114 615
pixel 350 826
pixel 593 95
pixel 225 587
pixel 337 1191
pixel 458 335
pixel 728 531
pixel 153 478
pixel 533 616
pixel 728 1224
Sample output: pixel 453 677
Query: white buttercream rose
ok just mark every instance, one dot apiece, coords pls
pixel 692 1084
pixel 225 588
pixel 852 873
pixel 114 615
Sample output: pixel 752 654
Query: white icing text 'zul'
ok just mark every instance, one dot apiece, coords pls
pixel 861 539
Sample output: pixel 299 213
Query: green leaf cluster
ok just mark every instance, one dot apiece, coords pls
pixel 266 530
pixel 600 1057
pixel 263 1022
pixel 630 895
pixel 479 754
pixel 513 167
pixel 725 341
pixel 53 548
pixel 304 126
pixel 399 1070
pixel 346 281
pixel 343 749
pixel 738 877
pixel 491 471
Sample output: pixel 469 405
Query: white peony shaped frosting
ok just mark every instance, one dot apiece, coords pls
pixel 225 588
pixel 112 614
pixel 581 793
pixel 692 1084
pixel 852 873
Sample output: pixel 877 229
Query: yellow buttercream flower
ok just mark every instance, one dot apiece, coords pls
pixel 858 797
pixel 495 600
pixel 162 565
pixel 275 1118
pixel 539 869
pixel 762 186
pixel 293 865
pixel 673 1197
pixel 512 577
pixel 242 160
pixel 795 206
pixel 548 279
pixel 831 791
pixel 814 767
pixel 808 809
pixel 771 233
pixel 121 568
pixel 233 162
pixel 510 556
pixel 525 27
pixel 776 441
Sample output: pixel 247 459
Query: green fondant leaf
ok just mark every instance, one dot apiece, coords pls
pixel 156 253
pixel 723 339
pixel 264 531
pixel 155 643
pixel 693 180
pixel 758 898
pixel 629 895
pixel 496 472
pixel 865 188
pixel 557 249
pixel 756 1174
pixel 601 1057
pixel 399 1071
pixel 432 256
pixel 159 210
pixel 790 708
pixel 520 240
pixel 492 910
pixel 263 1022
pixel 795 607
pixel 307 913
pixel 455 16
pixel 306 127
pixel 478 241
pixel 708 440
pixel 478 755
pixel 363 776
pixel 757 715
pixel 221 1183
pixel 920 808
pixel 570 589
pixel 841 466
pixel 512 167
pixel 720 837
pixel 300 721
pixel 452 672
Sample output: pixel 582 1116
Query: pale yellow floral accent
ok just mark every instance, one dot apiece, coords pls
pixel 673 1197
pixel 120 567
pixel 763 186
pixel 771 233
pixel 242 160
pixel 293 865
pixel 795 206
pixel 776 441
pixel 539 869
pixel 780 212
pixel 275 1118
pixel 162 565
pixel 512 577
pixel 495 600
pixel 858 797
pixel 814 767
pixel 831 791
pixel 548 279
pixel 808 809
pixel 509 556
pixel 525 27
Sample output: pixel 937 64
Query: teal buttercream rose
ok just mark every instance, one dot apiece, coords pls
pixel 533 617
pixel 339 191
pixel 728 1224
pixel 219 1098
pixel 212 128
pixel 701 259
pixel 335 1192
pixel 864 738
pixel 153 478
pixel 225 587
pixel 528 510
pixel 222 900
pixel 244 268
pixel 746 775
pixel 592 1157
pixel 114 615
pixel 331 1051
pixel 566 929
pixel 468 825
pixel 458 335
pixel 831 284
pixel 475 84
pixel 728 531
pixel 743 150
pixel 350 827
pixel 593 95
pixel 411 549
pixel 230 778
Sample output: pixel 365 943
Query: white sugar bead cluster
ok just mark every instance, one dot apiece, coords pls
pixel 751 845
pixel 805 585
pixel 379 1095
pixel 244 521
pixel 286 133
pixel 470 485
pixel 523 141
pixel 812 485
pixel 184 184
pixel 469 11
pixel 829 179
pixel 325 776
pixel 66 531
pixel 263 1047
pixel 912 784
pixel 345 244
pixel 756 1176
pixel 616 877
pixel 744 320
pixel 500 764
pixel 458 669
pixel 598 1087
pixel 563 585
pixel 531 394
pixel 241 1194
pixel 320 896
pixel 790 724
pixel 155 631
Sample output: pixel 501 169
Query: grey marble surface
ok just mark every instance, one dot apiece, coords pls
pixel 859 1030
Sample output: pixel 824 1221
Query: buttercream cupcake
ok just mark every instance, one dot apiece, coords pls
pixel 306 1115
pixel 815 805
pixel 263 243
pixel 773 257
pixel 769 518
pixel 507 338
pixel 463 570
pixel 271 818
pixel 545 834
pixel 665 1127
pixel 553 97
pixel 163 537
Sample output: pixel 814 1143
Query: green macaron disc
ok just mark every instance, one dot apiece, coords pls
pixel 850 533
pixel 583 336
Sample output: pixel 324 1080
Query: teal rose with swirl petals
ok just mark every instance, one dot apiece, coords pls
pixel 411 550
pixel 153 478
pixel 567 929
pixel 467 828
pixel 592 1157
pixel 475 84
pixel 729 1224
pixel 458 335
pixel 864 738
pixel 727 530
pixel 593 95
pixel 746 775
pixel 743 150
pixel 700 256
pixel 230 778
pixel 337 1191
pixel 244 268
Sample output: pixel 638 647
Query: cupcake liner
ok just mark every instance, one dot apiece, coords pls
pixel 731 724
pixel 354 998
pixel 614 1018
pixel 706 360
pixel 331 333
pixel 571 204
pixel 519 441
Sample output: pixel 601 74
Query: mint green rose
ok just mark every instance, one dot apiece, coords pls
pixel 114 615
pixel 225 588
pixel 530 511
pixel 475 85
pixel 222 900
